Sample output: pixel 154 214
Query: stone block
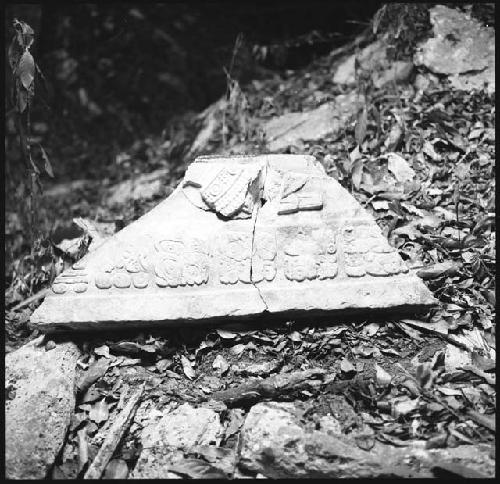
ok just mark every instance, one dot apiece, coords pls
pixel 40 399
pixel 461 48
pixel 239 236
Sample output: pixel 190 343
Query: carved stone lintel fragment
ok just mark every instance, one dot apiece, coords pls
pixel 239 236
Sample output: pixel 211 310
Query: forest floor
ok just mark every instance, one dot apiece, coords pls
pixel 394 382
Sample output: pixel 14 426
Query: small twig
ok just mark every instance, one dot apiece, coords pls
pixel 443 336
pixel 115 434
pixel 271 387
pixel 39 295
pixel 83 449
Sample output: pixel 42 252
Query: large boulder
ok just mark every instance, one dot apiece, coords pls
pixel 276 443
pixel 40 398
pixel 373 61
pixel 462 48
pixel 327 119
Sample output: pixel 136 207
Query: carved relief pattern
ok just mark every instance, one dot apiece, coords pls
pixel 75 280
pixel 228 193
pixel 311 255
pixel 181 262
pixel 235 258
pixel 171 263
pixel 123 270
pixel 264 258
pixel 328 267
pixel 295 196
pixel 367 252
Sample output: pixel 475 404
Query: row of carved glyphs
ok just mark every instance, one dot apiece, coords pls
pixel 307 254
pixel 367 252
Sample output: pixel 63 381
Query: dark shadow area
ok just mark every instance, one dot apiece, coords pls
pixel 113 73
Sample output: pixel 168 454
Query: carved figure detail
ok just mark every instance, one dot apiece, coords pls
pixel 301 258
pixel 354 265
pixel 234 258
pixel 366 251
pixel 180 264
pixel 229 192
pixel 264 258
pixel 301 267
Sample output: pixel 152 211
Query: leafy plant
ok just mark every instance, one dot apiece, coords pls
pixel 23 67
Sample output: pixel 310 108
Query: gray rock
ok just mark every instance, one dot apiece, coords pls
pixel 371 58
pixel 328 119
pixel 142 187
pixel 398 72
pixel 461 48
pixel 165 441
pixel 373 62
pixel 276 444
pixel 40 398
pixel 239 236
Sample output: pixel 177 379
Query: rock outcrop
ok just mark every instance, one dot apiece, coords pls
pixel 40 399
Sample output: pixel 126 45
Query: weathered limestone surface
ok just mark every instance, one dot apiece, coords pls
pixel 276 444
pixel 40 399
pixel 237 237
pixel 143 187
pixel 373 59
pixel 181 430
pixel 461 48
pixel 330 118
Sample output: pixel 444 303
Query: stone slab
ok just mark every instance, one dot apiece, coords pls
pixel 240 236
pixel 327 119
pixel 40 399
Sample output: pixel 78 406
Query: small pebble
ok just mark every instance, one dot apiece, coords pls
pixel 50 345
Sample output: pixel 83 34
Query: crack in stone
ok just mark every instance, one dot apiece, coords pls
pixel 254 284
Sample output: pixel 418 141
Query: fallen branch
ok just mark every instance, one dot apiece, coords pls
pixel 39 295
pixel 434 332
pixel 115 434
pixel 272 387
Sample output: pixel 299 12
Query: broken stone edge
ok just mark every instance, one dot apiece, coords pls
pixel 254 301
pixel 377 297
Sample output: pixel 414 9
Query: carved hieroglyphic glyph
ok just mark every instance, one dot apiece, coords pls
pixel 239 236
pixel 76 280
pixel 235 258
pixel 296 196
pixel 310 254
pixel 264 258
pixel 366 252
pixel 168 262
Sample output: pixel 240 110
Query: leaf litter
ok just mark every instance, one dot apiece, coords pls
pixel 429 182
